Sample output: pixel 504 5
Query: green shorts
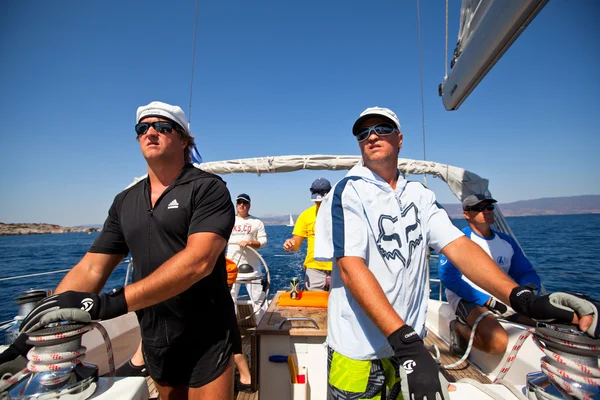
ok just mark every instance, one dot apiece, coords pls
pixel 361 379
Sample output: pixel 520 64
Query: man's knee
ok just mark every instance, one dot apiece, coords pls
pixel 493 339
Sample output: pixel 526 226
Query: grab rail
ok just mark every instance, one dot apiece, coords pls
pixel 279 325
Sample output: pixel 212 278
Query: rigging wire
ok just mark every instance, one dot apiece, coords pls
pixel 446 64
pixel 193 60
pixel 421 80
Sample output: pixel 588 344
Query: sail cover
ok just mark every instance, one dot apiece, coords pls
pixel 460 181
pixel 487 29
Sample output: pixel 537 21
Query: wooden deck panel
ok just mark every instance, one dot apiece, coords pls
pixel 465 370
pixel 247 327
pixel 151 388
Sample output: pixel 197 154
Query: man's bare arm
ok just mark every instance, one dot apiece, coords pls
pixel 293 243
pixel 178 273
pixel 477 265
pixel 90 274
pixel 368 293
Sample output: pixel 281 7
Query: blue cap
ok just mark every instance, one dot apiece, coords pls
pixel 319 189
pixel 243 196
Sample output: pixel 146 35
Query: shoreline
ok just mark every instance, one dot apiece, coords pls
pixel 41 229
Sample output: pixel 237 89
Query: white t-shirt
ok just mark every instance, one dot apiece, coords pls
pixel 391 230
pixel 249 228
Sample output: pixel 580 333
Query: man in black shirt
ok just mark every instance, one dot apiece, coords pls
pixel 176 224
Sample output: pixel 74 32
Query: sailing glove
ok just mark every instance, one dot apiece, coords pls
pixel 558 306
pixel 98 307
pixel 499 309
pixel 18 348
pixel 421 377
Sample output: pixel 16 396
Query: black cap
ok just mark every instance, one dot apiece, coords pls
pixel 475 199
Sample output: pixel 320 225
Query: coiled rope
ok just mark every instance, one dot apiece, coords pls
pixel 42 362
pixel 561 370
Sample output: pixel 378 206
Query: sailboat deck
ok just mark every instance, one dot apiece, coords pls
pixel 465 370
pixel 247 327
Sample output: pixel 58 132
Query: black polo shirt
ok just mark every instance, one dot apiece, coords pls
pixel 196 202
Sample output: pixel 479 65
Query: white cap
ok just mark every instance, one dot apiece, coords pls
pixel 376 112
pixel 160 109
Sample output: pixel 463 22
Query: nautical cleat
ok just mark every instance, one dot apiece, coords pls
pixel 458 344
pixel 56 367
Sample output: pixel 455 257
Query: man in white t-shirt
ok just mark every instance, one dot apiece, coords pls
pixel 468 300
pixel 376 227
pixel 248 231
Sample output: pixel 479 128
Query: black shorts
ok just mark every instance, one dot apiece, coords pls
pixel 191 360
pixel 463 309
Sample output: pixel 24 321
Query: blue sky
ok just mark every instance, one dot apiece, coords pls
pixel 276 78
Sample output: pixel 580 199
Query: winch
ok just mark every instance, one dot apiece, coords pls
pixel 25 301
pixel 55 365
pixel 569 368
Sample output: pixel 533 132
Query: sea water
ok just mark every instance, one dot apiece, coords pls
pixel 564 249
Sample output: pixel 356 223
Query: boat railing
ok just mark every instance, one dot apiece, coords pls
pixel 441 287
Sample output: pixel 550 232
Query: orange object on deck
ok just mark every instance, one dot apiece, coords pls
pixel 307 299
pixel 232 271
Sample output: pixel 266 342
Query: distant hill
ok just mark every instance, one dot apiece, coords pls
pixel 587 204
pixel 40 229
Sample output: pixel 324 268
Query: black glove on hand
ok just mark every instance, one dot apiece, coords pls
pixel 421 377
pixel 558 306
pixel 18 348
pixel 523 301
pixel 99 307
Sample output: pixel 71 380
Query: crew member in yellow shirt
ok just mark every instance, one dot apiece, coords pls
pixel 318 274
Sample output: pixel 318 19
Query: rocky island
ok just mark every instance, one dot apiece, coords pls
pixel 40 229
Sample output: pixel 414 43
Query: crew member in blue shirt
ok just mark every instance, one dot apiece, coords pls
pixel 467 299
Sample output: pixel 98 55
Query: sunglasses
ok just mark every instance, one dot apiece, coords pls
pixel 158 126
pixel 321 192
pixel 383 129
pixel 242 202
pixel 489 207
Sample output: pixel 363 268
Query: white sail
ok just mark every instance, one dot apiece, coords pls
pixel 291 223
pixel 487 29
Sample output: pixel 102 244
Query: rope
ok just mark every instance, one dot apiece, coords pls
pixel 38 274
pixel 560 377
pixel 193 61
pixel 469 346
pixel 421 80
pixel 42 362
pixel 586 375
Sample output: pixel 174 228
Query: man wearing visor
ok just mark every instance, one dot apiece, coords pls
pixel 467 299
pixel 318 274
pixel 175 224
pixel 377 228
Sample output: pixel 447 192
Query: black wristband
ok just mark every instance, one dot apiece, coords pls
pixel 406 335
pixel 113 303
pixel 520 297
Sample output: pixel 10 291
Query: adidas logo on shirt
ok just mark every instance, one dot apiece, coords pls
pixel 173 204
